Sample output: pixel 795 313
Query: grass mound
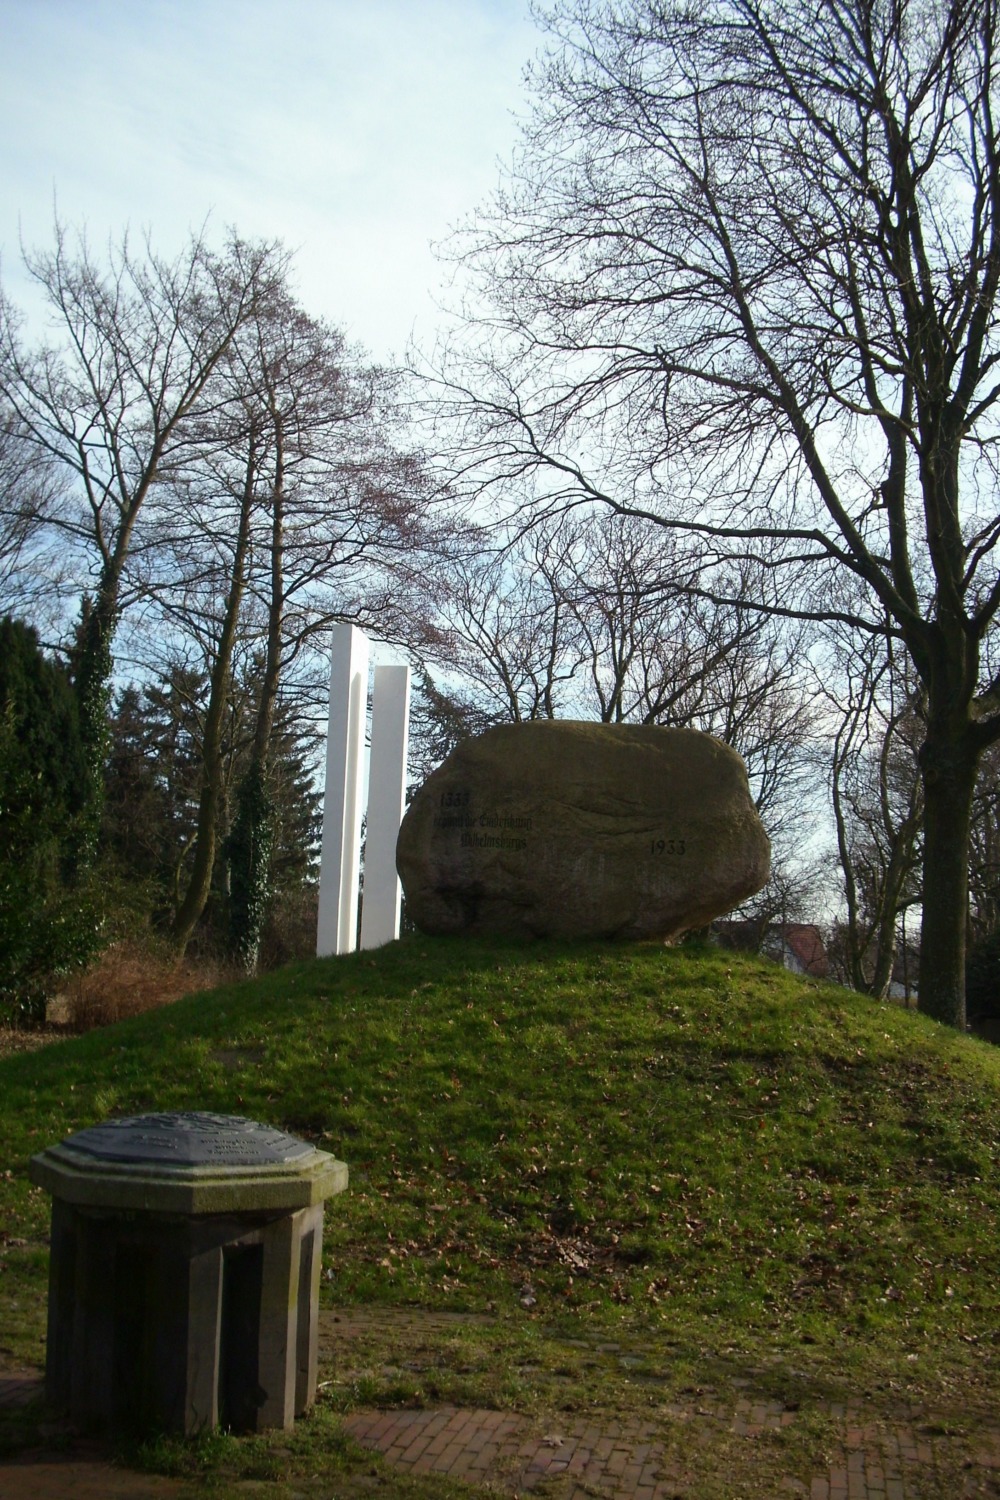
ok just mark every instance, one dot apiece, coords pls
pixel 733 1160
pixel 676 1130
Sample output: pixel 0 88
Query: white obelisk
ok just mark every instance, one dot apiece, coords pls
pixel 386 803
pixel 340 851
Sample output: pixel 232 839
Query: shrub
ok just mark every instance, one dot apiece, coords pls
pixel 50 921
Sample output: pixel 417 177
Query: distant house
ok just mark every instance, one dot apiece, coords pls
pixel 798 946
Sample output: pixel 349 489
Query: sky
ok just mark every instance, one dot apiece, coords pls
pixel 356 131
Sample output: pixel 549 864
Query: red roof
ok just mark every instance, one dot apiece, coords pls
pixel 806 942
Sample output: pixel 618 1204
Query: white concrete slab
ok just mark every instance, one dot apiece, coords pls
pixel 340 850
pixel 386 803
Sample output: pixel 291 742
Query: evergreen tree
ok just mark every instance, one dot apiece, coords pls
pixel 48 920
pixel 269 825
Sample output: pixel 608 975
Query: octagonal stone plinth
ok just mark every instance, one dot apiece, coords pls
pixel 184 1272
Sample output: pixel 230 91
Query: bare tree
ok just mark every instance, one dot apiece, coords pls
pixel 115 402
pixel 744 280
pixel 292 509
pixel 31 572
pixel 589 617
pixel 877 707
pixel 341 507
pixel 502 622
pixel 211 609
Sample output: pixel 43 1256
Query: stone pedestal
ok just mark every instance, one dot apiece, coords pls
pixel 184 1273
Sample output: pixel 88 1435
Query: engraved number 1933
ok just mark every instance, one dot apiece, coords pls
pixel 667 846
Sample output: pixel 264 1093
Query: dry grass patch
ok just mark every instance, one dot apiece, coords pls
pixel 129 979
pixel 12 1040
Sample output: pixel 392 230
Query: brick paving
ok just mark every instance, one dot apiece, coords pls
pixel 502 1450
pixel 625 1461
pixel 904 1455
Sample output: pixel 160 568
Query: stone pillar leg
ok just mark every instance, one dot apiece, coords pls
pixel 204 1326
pixel 279 1312
pixel 386 803
pixel 92 1358
pixel 178 1356
pixel 307 1335
pixel 62 1301
pixel 340 850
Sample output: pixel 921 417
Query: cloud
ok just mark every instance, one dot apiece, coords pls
pixel 355 130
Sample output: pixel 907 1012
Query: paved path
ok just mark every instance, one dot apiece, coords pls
pixel 624 1461
pixel 903 1457
pixel 494 1447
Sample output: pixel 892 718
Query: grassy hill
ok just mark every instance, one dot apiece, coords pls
pixel 676 1146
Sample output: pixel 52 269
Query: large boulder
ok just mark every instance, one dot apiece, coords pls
pixel 563 829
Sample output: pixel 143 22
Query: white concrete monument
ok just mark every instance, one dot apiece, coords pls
pixel 386 805
pixel 340 850
pixel 343 804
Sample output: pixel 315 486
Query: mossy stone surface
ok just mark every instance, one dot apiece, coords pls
pixel 566 829
pixel 188 1162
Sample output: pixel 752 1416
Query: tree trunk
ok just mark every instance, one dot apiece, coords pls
pixel 856 945
pixel 250 845
pixel 948 766
pixel 885 948
pixel 200 882
pixel 252 838
pixel 900 863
